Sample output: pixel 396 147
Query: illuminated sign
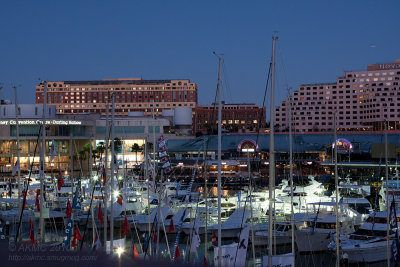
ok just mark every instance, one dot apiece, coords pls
pixel 343 146
pixel 252 145
pixel 40 122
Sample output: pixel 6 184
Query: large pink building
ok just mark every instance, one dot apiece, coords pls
pixel 363 100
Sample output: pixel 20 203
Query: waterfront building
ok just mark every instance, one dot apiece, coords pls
pixel 79 129
pixel 236 118
pixel 131 95
pixel 363 100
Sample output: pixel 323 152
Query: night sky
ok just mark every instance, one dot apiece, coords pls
pixel 93 40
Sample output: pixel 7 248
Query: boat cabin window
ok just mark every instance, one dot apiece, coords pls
pixel 379 219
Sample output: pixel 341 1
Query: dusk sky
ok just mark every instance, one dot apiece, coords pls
pixel 93 40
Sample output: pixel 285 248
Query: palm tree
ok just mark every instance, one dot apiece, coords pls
pixel 136 148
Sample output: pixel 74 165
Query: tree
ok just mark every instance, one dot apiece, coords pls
pixel 136 148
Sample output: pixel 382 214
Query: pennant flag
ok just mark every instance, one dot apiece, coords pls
pixel 16 168
pixel 163 154
pixel 126 227
pixel 76 202
pixel 135 254
pixel 171 226
pixel 68 210
pixel 120 199
pixel 60 181
pixel 52 151
pixel 161 138
pixel 164 159
pixel 77 236
pixel 214 239
pixel 163 148
pixel 168 170
pixel 205 263
pixel 177 253
pixel 195 236
pixel 99 213
pixel 162 144
pixel 37 200
pixel 155 234
pixel 68 233
pixel 31 232
pixel 96 244
pixel 166 164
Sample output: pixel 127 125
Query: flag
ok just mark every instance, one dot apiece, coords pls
pixel 164 159
pixel 163 154
pixel 155 234
pixel 162 144
pixel 120 199
pixel 126 227
pixel 161 138
pixel 166 164
pixel 77 236
pixel 241 252
pixel 214 239
pixel 68 233
pixel 76 202
pixel 52 151
pixel 60 181
pixel 135 254
pixel 171 226
pixel 177 253
pixel 228 255
pixel 168 170
pixel 195 236
pixel 205 263
pixel 163 148
pixel 16 168
pixel 99 213
pixel 37 200
pixel 68 210
pixel 96 244
pixel 31 232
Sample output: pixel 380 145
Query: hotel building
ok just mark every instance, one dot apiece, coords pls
pixel 363 100
pixel 131 95
pixel 242 118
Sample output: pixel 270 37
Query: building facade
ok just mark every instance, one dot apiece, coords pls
pixel 242 118
pixel 131 95
pixel 70 133
pixel 362 100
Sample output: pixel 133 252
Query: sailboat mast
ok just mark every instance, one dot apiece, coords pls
pixel 337 194
pixel 271 154
pixel 219 89
pixel 105 183
pixel 387 195
pixel 42 163
pixel 113 162
pixel 291 175
pixel 18 153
